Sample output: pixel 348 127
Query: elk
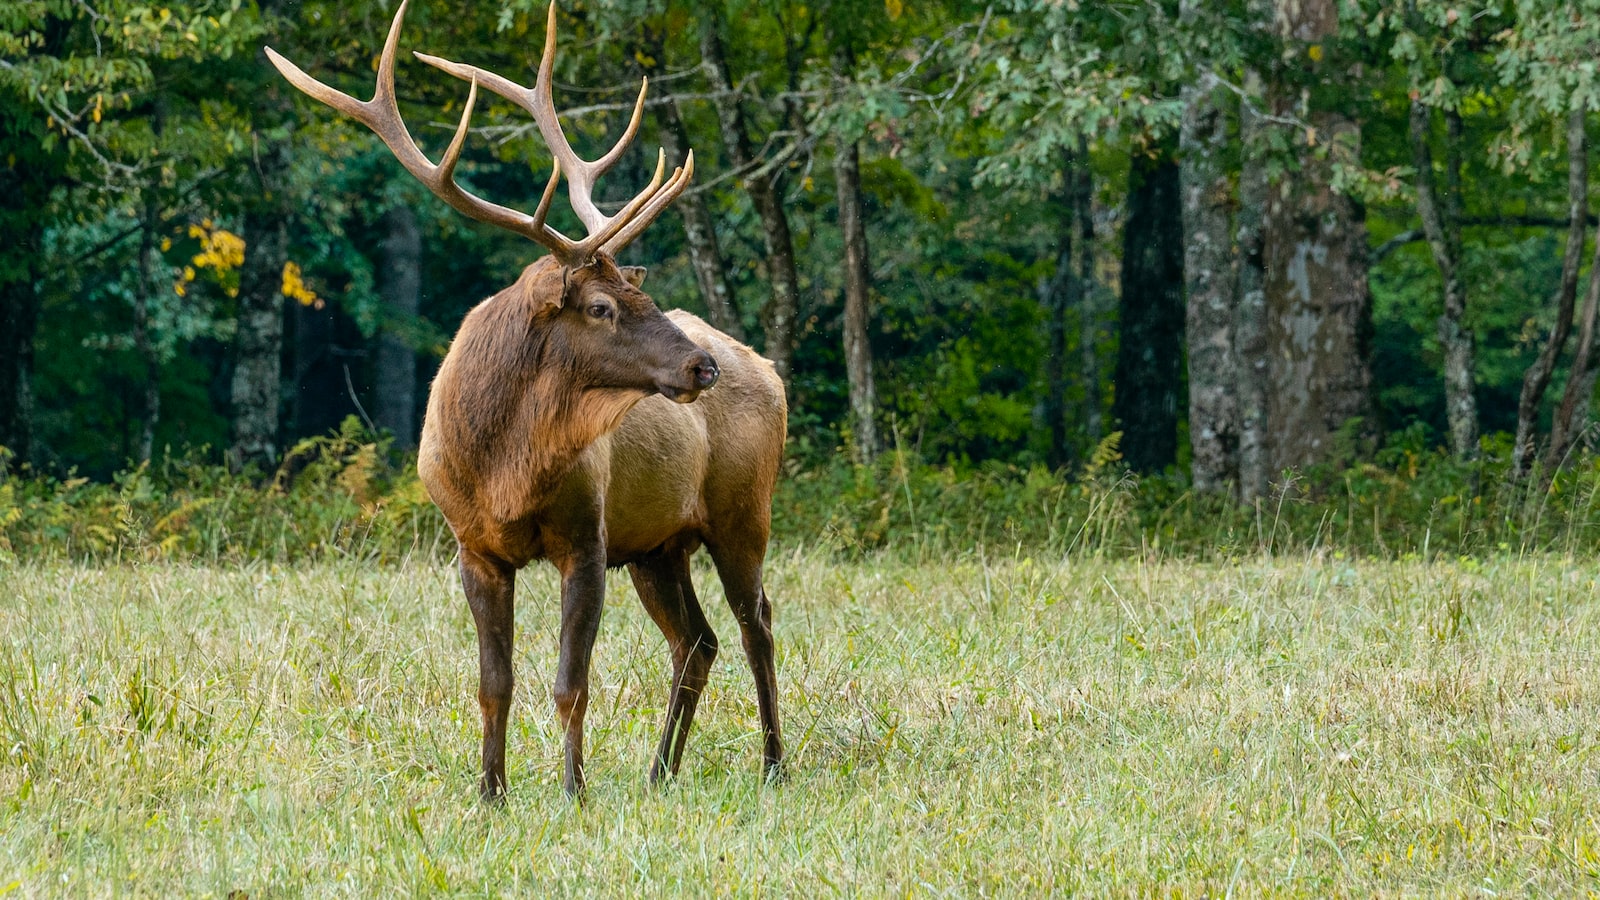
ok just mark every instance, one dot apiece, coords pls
pixel 573 421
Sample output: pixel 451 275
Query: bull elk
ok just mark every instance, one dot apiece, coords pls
pixel 573 421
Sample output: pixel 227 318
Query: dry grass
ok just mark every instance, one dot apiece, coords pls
pixel 1304 727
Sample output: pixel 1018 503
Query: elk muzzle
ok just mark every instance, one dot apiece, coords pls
pixel 699 374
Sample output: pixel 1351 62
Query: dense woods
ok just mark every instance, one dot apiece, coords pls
pixel 1242 237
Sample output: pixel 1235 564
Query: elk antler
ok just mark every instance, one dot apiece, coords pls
pixel 382 115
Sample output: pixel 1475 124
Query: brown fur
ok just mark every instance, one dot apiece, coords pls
pixel 547 437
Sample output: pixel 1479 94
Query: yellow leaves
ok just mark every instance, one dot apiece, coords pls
pixel 1315 52
pixel 894 8
pixel 166 244
pixel 221 252
pixel 295 287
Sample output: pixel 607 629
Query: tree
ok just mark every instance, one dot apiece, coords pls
pixel 126 115
pixel 31 175
pixel 1054 297
pixel 699 228
pixel 1550 53
pixel 1537 377
pixel 762 179
pixel 258 344
pixel 857 276
pixel 1212 301
pixel 1059 83
pixel 1441 222
pixel 1315 254
pixel 396 365
pixel 1150 346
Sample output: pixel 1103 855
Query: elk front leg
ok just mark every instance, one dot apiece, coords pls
pixel 583 590
pixel 490 586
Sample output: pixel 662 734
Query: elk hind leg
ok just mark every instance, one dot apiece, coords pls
pixel 740 571
pixel 665 589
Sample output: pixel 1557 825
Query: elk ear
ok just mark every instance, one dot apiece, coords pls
pixel 634 275
pixel 542 287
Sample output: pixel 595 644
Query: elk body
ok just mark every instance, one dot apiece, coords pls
pixel 575 422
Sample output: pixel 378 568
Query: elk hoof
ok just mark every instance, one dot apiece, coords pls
pixel 492 792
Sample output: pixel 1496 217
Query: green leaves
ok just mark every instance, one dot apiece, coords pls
pixel 1057 71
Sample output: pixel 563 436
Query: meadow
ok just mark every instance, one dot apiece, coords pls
pixel 1296 724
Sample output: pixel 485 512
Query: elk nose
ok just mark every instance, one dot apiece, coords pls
pixel 705 371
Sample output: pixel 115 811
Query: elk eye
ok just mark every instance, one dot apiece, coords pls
pixel 600 311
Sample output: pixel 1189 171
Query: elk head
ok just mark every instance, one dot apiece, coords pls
pixel 601 332
pixel 608 325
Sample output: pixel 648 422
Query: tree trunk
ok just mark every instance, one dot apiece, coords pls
pixel 258 344
pixel 1054 297
pixel 699 227
pixel 396 402
pixel 1441 222
pixel 150 411
pixel 857 281
pixel 1212 301
pixel 763 185
pixel 27 178
pixel 1318 306
pixel 1250 324
pixel 1150 347
pixel 1537 379
pixel 1572 416
pixel 857 299
pixel 255 390
pixel 1082 295
pixel 19 321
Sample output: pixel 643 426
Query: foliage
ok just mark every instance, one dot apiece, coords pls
pixel 333 495
pixel 156 119
pixel 342 496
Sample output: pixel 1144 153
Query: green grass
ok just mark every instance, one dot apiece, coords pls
pixel 1303 726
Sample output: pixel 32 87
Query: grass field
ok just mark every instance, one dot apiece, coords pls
pixel 1305 726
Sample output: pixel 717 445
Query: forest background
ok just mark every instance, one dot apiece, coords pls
pixel 1330 260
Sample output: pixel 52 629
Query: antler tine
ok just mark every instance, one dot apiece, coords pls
pixel 604 163
pixel 641 220
pixel 445 172
pixel 580 173
pixel 604 232
pixel 626 214
pixel 382 115
pixel 549 194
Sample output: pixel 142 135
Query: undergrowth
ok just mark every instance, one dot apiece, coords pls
pixel 346 494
